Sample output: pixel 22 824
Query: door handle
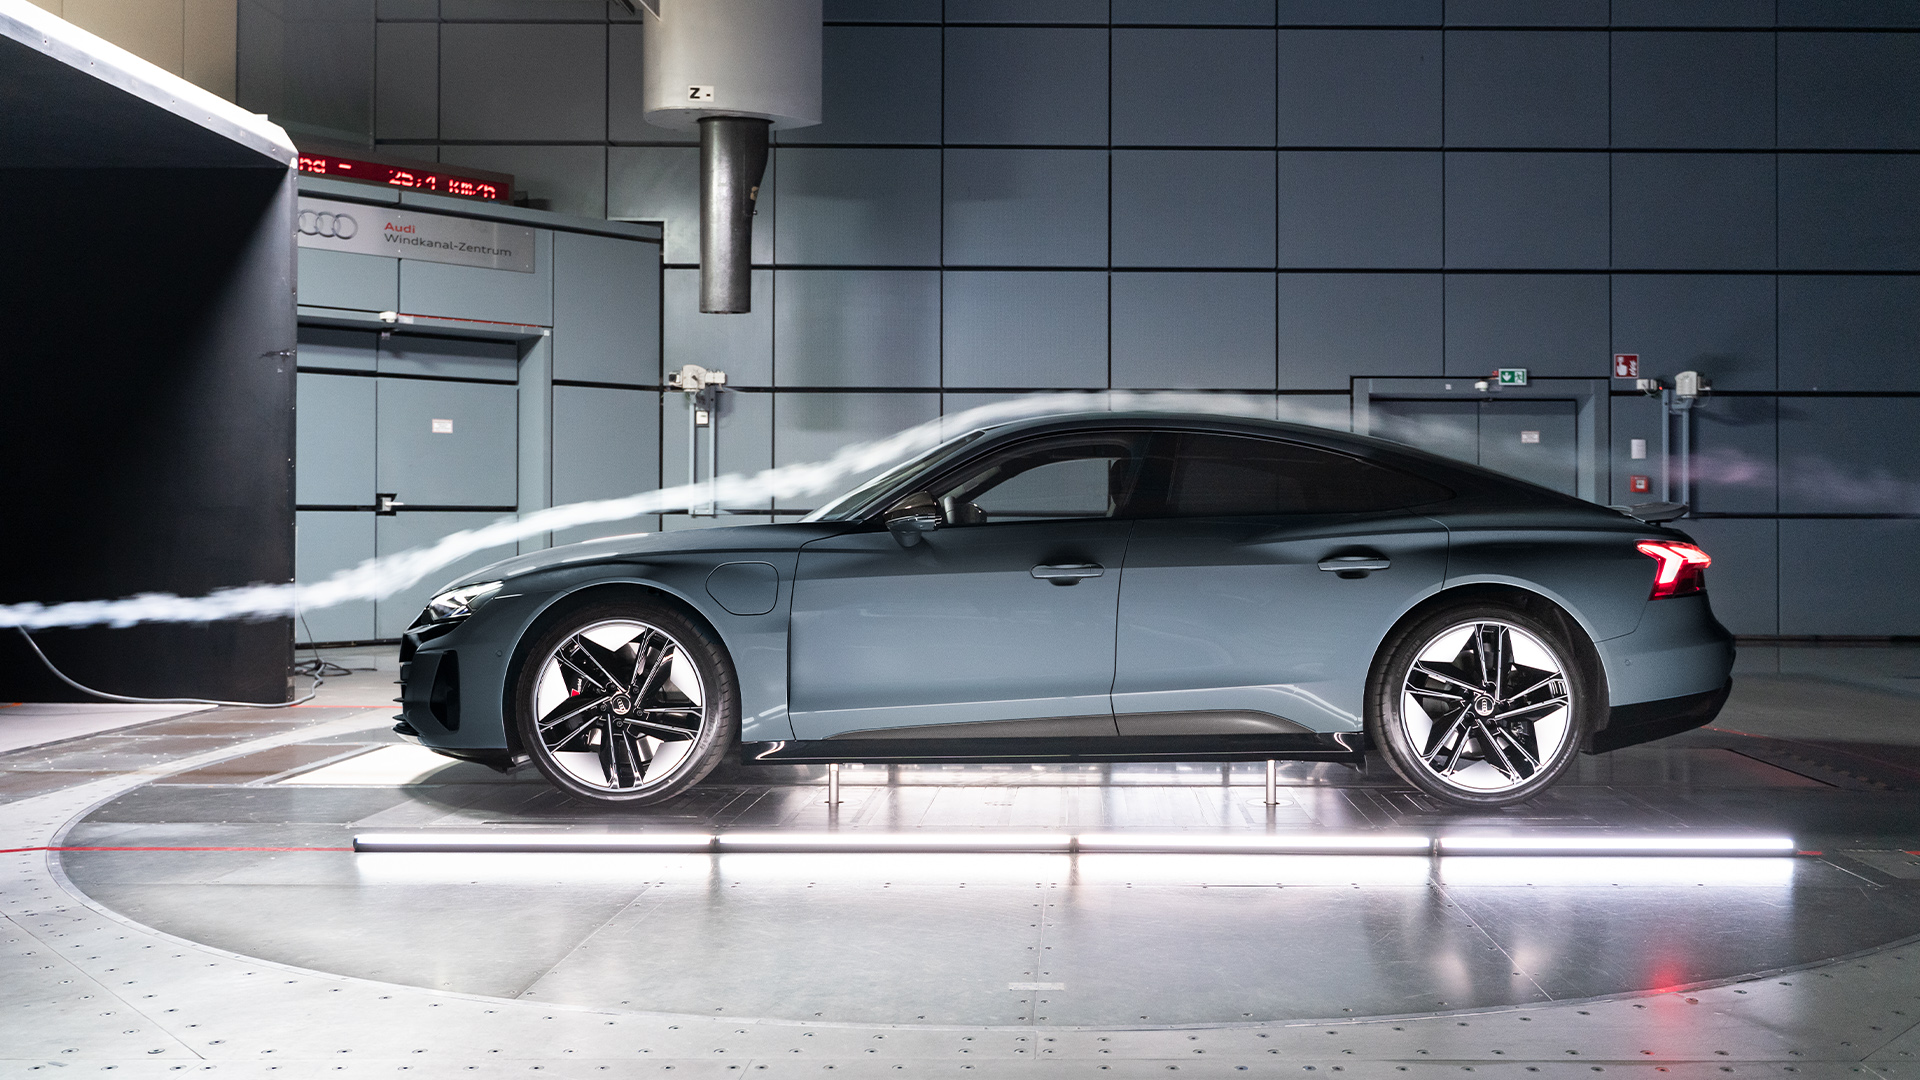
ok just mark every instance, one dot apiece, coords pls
pixel 1354 566
pixel 1069 573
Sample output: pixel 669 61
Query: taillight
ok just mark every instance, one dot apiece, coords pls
pixel 1682 567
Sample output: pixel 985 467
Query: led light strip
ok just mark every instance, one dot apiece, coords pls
pixel 1073 844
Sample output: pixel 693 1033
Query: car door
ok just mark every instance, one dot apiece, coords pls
pixel 999 623
pixel 1255 595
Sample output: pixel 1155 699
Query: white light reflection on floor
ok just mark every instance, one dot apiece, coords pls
pixel 1593 871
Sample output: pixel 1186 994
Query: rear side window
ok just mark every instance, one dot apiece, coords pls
pixel 1207 475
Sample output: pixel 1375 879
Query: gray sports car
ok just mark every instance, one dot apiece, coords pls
pixel 1100 587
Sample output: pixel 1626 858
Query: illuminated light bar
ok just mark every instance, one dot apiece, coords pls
pixel 1256 844
pixel 1042 843
pixel 1617 845
pixel 518 841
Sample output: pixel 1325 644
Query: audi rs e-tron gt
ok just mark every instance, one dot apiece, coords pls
pixel 1105 587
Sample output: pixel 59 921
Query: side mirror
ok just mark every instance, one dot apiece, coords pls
pixel 912 516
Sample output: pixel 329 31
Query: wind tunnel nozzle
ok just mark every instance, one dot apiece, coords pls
pixel 733 158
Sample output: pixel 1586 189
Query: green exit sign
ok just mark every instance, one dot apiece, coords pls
pixel 1513 376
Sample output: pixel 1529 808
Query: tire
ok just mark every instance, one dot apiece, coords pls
pixel 626 704
pixel 1442 706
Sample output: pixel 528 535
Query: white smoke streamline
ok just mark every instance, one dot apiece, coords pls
pixel 381 577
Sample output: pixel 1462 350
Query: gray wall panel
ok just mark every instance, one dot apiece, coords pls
pixel 1532 88
pixel 1527 211
pixel 1850 456
pixel 606 309
pixel 1849 333
pixel 1335 326
pixel 745 439
pixel 1634 417
pixel 1061 75
pixel 883 10
pixel 406 86
pixel 880 84
pixel 1040 11
pixel 1024 328
pixel 523 82
pixel 857 328
pixel 345 280
pixel 1347 13
pixel 1025 207
pixel 662 183
pixel 1693 12
pixel 449 358
pixel 1869 592
pixel 409 530
pixel 1849 212
pixel 1743 584
pixel 1551 324
pixel 1194 12
pixel 476 464
pixel 1527 12
pixel 1720 325
pixel 1202 208
pixel 1850 91
pixel 1198 331
pixel 324 346
pixel 472 292
pixel 1733 454
pixel 325 543
pixel 606 444
pixel 591 11
pixel 858 207
pixel 333 441
pixel 1692 90
pixel 1696 211
pixel 811 427
pixel 1860 13
pixel 1359 87
pixel 1360 209
pixel 740 345
pixel 1153 87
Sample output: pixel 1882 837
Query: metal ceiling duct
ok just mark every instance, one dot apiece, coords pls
pixel 736 70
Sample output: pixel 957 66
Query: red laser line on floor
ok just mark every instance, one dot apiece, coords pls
pixel 17 850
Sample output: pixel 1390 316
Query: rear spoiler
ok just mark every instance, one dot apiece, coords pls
pixel 1654 513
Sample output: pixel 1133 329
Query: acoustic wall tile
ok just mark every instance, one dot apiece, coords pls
pixel 740 345
pixel 1024 328
pixel 1527 211
pixel 606 444
pixel 1865 14
pixel 885 11
pixel 1360 209
pixel 1331 411
pixel 567 179
pixel 1347 13
pixel 471 463
pixel 606 310
pixel 1850 91
pixel 1154 82
pixel 1200 208
pixel 1531 88
pixel 857 328
pixel 1193 331
pixel 1016 85
pixel 406 87
pixel 1333 327
pixel 1846 333
pixel 880 84
pixel 1019 11
pixel 1719 325
pixel 626 90
pixel 662 183
pixel 543 11
pixel 342 279
pixel 1193 12
pixel 333 440
pixel 858 207
pixel 326 542
pixel 1714 13
pixel 1849 212
pixel 813 427
pixel 1025 207
pixel 1693 211
pixel 1850 455
pixel 523 82
pixel 1743 585
pixel 1359 87
pixel 1870 592
pixel 1551 324
pixel 398 10
pixel 1692 91
pixel 1734 440
pixel 1527 12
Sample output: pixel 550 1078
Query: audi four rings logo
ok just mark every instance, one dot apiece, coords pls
pixel 321 223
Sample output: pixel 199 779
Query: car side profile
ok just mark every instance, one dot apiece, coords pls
pixel 1095 587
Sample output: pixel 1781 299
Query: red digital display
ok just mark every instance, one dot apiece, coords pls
pixel 495 189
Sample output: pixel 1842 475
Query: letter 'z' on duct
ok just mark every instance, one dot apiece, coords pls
pixel 737 70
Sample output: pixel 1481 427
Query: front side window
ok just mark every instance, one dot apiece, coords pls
pixel 1085 476
pixel 1199 474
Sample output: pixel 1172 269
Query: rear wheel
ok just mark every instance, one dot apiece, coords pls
pixel 629 703
pixel 1481 705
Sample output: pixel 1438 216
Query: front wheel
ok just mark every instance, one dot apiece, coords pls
pixel 1481 705
pixel 628 704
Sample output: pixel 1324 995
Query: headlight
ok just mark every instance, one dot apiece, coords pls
pixel 460 603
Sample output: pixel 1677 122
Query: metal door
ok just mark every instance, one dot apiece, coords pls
pixel 1532 439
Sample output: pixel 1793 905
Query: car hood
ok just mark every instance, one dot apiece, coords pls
pixel 780 536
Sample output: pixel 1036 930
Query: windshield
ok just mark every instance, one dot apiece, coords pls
pixel 850 505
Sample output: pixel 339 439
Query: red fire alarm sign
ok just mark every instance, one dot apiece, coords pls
pixel 1640 485
pixel 1626 365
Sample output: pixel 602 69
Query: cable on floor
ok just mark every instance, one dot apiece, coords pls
pixel 316 674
